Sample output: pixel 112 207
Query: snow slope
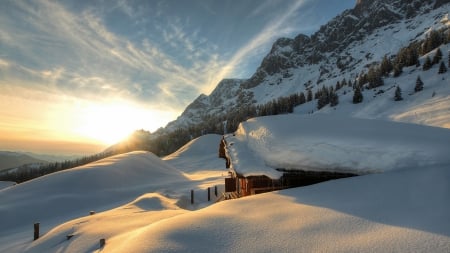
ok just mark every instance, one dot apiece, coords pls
pixel 429 107
pixel 69 194
pixel 199 161
pixel 409 213
pixel 5 184
pixel 141 201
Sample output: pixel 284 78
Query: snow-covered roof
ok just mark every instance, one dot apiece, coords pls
pixel 330 143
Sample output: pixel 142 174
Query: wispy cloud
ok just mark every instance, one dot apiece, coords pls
pixel 279 25
pixel 79 55
pixel 263 7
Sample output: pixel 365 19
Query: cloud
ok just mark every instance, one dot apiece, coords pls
pixel 263 7
pixel 84 58
pixel 77 53
pixel 126 8
pixel 3 63
pixel 279 25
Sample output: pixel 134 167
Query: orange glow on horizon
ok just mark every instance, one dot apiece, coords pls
pixel 60 124
pixel 110 123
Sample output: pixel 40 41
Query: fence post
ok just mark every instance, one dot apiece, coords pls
pixel 192 196
pixel 36 231
pixel 215 190
pixel 209 194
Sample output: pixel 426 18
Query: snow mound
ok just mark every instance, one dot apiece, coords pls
pixel 199 159
pixel 153 202
pixel 98 186
pixel 206 144
pixel 84 234
pixel 334 143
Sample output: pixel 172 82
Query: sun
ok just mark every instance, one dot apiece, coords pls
pixel 109 123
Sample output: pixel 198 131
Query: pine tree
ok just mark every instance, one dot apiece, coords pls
pixel 309 96
pixel 334 98
pixel 386 66
pixel 449 55
pixel 427 64
pixel 362 79
pixel 437 57
pixel 357 96
pixel 407 56
pixel 419 85
pixel 338 85
pixel 374 77
pixel 302 98
pixel 397 70
pixel 323 97
pixel 398 94
pixel 442 68
pixel 433 40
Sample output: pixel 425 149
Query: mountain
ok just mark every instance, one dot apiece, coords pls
pixel 227 94
pixel 376 48
pixel 13 160
pixel 344 48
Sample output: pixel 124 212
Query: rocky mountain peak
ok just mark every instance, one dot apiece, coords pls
pixel 349 27
pixel 342 48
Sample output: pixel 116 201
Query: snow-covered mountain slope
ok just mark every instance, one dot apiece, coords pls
pixel 227 94
pixel 334 143
pixel 342 49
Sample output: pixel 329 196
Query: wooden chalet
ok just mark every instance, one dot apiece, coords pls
pixel 242 185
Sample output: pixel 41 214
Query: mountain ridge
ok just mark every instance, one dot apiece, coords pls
pixel 328 48
pixel 10 160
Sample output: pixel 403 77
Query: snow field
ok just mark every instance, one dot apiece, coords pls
pixel 400 210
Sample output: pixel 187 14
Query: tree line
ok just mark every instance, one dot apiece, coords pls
pixel 26 172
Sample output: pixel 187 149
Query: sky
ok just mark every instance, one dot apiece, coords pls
pixel 77 76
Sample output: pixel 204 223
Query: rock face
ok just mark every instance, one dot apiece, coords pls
pixel 343 48
pixel 351 26
pixel 227 94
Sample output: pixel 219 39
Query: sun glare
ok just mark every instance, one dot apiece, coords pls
pixel 111 123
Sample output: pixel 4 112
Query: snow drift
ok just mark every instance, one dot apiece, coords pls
pixel 98 186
